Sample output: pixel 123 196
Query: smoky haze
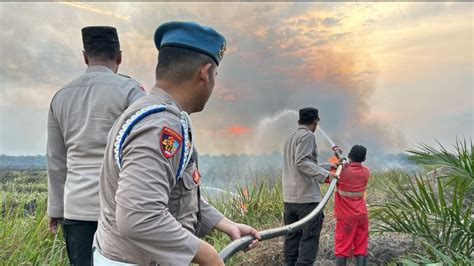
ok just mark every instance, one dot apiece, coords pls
pixel 361 64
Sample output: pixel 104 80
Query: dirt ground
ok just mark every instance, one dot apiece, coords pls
pixel 383 248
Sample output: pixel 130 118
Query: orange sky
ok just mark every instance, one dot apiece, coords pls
pixel 388 75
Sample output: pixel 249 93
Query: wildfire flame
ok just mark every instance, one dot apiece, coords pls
pixel 245 195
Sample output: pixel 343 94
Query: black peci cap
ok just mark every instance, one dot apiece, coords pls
pixel 308 115
pixel 95 34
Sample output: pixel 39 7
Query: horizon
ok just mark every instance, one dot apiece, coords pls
pixel 245 162
pixel 390 76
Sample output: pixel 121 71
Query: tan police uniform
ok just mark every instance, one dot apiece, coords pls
pixel 301 171
pixel 79 119
pixel 301 192
pixel 148 215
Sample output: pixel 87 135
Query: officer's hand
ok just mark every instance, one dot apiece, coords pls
pixel 336 164
pixel 341 160
pixel 207 255
pixel 236 230
pixel 53 224
pixel 333 176
pixel 243 230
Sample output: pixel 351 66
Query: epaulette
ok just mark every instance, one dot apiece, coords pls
pixel 125 76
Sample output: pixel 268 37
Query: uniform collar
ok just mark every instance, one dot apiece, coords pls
pixel 98 68
pixel 355 164
pixel 303 127
pixel 165 96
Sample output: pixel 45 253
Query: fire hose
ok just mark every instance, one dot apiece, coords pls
pixel 240 244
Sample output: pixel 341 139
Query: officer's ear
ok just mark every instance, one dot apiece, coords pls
pixel 86 58
pixel 205 72
pixel 118 59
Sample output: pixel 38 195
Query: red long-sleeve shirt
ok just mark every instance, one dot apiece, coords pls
pixel 353 178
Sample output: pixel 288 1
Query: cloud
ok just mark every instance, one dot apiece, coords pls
pixel 369 22
pixel 338 36
pixel 231 94
pixel 331 22
pixel 282 56
pixel 94 9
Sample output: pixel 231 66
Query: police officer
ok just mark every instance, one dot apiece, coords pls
pixel 301 192
pixel 151 209
pixel 79 118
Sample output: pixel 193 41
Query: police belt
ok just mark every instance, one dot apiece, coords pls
pixel 349 193
pixel 101 260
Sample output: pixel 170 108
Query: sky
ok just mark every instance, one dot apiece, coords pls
pixel 389 76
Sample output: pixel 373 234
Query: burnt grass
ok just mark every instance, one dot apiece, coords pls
pixel 383 248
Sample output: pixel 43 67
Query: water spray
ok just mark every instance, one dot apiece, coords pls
pixel 243 242
pixel 219 190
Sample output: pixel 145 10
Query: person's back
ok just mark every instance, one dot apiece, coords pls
pixel 300 167
pixel 301 191
pixel 85 110
pixel 353 180
pixel 352 225
pixel 79 119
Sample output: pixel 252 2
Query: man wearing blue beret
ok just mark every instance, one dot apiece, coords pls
pixel 151 208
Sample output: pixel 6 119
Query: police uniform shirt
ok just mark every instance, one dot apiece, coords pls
pixel 147 214
pixel 79 119
pixel 301 171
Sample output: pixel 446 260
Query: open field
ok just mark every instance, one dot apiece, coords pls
pixel 401 204
pixel 25 238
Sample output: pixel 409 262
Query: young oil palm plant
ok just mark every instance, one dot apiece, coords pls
pixel 436 212
pixel 460 162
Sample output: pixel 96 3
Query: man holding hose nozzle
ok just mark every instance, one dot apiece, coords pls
pixel 301 193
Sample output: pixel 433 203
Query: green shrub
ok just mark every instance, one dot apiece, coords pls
pixel 436 211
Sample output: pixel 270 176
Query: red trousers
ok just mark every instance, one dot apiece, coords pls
pixel 351 237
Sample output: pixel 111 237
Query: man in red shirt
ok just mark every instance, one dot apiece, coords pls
pixel 350 210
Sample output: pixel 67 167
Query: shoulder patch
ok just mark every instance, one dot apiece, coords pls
pixel 170 142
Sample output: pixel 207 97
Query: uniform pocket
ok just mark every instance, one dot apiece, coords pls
pixel 188 180
pixel 189 199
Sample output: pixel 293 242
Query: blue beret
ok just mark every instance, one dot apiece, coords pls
pixel 193 36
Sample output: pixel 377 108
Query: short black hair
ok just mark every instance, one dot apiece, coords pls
pixel 102 50
pixel 177 64
pixel 357 153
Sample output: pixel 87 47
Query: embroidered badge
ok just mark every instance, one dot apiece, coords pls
pixel 170 142
pixel 196 176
